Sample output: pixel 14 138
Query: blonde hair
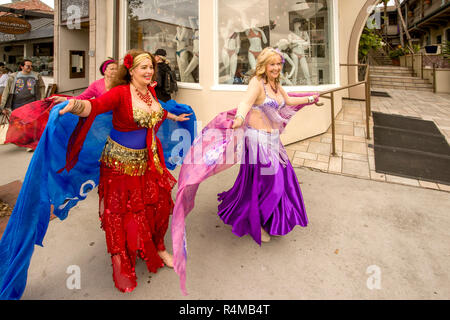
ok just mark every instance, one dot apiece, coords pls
pixel 264 58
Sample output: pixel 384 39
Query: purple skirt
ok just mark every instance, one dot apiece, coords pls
pixel 266 192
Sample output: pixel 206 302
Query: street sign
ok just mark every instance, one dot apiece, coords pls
pixel 14 25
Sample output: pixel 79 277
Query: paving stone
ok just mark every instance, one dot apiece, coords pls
pixel 444 187
pixel 290 154
pixel 397 179
pixel 316 164
pixel 377 176
pixel 305 155
pixel 428 184
pixel 355 168
pixel 355 156
pixel 323 158
pixel 319 148
pixel 298 162
pixel 355 147
pixel 335 164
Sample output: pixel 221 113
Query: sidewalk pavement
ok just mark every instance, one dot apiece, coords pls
pixel 362 234
pixel 354 156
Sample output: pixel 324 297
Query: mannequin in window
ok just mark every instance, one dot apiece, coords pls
pixel 299 40
pixel 230 50
pixel 195 47
pixel 285 78
pixel 182 53
pixel 256 37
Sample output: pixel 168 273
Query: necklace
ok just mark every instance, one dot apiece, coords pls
pixel 275 90
pixel 147 98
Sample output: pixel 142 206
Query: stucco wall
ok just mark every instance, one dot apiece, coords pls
pixel 310 121
pixel 206 99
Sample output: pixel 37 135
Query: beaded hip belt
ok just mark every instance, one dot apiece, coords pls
pixel 132 162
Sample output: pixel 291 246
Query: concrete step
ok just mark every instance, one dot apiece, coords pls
pixel 397 79
pixel 392 68
pixel 385 74
pixel 401 84
pixel 398 87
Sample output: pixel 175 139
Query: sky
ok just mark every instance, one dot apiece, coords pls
pixel 50 3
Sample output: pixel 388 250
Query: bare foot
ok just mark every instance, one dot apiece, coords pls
pixel 167 258
pixel 265 237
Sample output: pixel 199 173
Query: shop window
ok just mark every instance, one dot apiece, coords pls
pixel 77 64
pixel 171 25
pixel 392 19
pixel 301 30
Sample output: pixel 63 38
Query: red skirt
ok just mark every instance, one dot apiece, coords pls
pixel 134 213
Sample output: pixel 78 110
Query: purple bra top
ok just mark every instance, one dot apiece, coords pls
pixel 271 108
pixel 268 102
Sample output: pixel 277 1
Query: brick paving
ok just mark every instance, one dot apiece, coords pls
pixel 354 156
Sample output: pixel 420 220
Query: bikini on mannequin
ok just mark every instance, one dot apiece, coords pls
pixel 182 54
pixel 195 47
pixel 230 50
pixel 299 42
pixel 256 37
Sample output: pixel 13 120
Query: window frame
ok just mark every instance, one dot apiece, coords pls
pixel 123 44
pixel 241 87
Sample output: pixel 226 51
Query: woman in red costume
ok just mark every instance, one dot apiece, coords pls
pixel 135 186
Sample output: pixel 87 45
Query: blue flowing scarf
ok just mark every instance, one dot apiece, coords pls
pixel 43 187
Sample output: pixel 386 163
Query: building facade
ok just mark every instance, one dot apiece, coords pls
pixel 36 44
pixel 213 45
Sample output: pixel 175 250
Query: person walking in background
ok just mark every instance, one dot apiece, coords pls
pixel 22 87
pixel 108 70
pixel 28 122
pixel 163 76
pixel 3 79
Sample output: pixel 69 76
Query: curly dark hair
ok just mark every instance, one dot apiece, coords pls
pixel 123 74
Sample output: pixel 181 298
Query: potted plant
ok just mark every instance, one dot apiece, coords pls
pixel 396 54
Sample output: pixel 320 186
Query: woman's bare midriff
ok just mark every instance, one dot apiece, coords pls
pixel 258 120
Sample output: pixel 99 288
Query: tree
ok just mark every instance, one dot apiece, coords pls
pixel 400 15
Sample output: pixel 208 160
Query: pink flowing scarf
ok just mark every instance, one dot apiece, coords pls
pixel 215 150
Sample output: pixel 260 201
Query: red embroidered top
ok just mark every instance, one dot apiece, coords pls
pixel 118 99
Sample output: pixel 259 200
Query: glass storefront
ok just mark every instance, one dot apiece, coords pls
pixel 171 25
pixel 301 30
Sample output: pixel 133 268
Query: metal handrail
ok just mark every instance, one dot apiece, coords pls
pixel 366 83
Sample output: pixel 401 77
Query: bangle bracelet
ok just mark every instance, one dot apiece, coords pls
pixel 78 107
pixel 239 116
pixel 311 99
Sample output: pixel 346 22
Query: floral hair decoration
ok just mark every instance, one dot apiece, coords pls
pixel 281 55
pixel 128 61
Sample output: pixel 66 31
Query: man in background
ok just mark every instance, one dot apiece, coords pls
pixel 22 87
pixel 162 76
